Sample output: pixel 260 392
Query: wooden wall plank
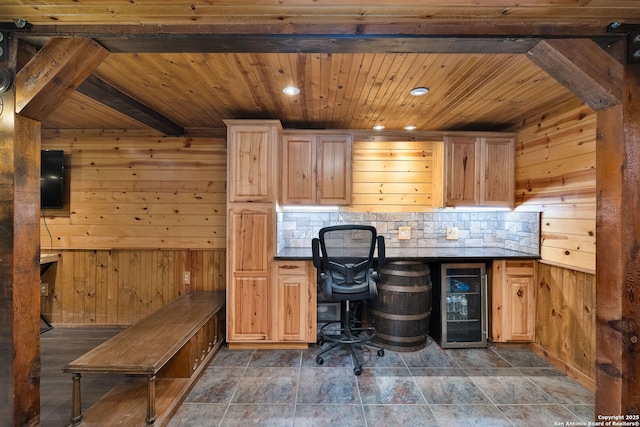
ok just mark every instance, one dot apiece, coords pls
pixel 565 320
pixel 555 174
pixel 119 287
pixel 404 176
pixel 134 190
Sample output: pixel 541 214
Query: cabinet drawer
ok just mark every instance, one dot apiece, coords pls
pixel 519 268
pixel 292 267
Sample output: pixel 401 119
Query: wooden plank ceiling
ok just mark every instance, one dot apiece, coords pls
pixel 305 12
pixel 340 88
pixel 338 91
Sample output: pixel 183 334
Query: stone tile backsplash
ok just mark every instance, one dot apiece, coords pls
pixel 518 231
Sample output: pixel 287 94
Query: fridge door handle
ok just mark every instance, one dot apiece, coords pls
pixel 485 314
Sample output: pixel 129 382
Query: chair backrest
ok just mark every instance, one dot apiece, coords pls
pixel 344 256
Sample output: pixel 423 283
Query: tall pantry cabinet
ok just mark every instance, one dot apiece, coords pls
pixel 252 148
pixel 268 301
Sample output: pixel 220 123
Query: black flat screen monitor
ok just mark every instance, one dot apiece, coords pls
pixel 51 179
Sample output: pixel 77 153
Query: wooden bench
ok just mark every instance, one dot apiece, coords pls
pixel 162 355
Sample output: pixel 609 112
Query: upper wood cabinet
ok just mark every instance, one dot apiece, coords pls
pixel 299 169
pixel 316 169
pixel 513 306
pixel 252 160
pixel 479 171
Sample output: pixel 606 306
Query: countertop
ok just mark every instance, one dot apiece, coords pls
pixel 440 254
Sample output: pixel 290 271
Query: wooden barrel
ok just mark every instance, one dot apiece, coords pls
pixel 402 311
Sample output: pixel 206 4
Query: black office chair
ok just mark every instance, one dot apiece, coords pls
pixel 344 258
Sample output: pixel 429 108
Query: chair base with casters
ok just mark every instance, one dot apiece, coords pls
pixel 349 335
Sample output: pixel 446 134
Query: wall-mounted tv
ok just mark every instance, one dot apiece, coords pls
pixel 51 179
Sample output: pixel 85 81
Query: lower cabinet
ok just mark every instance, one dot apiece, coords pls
pixel 513 313
pixel 296 302
pixel 278 312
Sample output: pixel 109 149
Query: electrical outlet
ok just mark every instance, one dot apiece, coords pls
pixel 186 278
pixel 404 233
pixel 44 289
pixel 359 234
pixel 452 233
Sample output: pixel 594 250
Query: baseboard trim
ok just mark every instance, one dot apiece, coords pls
pixel 571 372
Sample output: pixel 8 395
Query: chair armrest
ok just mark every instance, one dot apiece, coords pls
pixel 315 252
pixel 381 251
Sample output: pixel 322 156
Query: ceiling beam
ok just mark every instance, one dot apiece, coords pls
pixel 424 28
pixel 108 95
pixel 320 38
pixel 581 66
pixel 54 73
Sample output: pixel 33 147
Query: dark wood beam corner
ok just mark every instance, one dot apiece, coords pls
pixel 54 73
pixel 632 32
pixel 106 94
pixel 583 67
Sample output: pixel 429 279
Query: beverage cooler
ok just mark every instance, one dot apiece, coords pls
pixel 461 306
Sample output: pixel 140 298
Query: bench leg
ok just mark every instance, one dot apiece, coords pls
pixel 76 411
pixel 151 400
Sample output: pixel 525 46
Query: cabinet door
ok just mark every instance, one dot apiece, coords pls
pixel 513 301
pixel 251 238
pixel 296 302
pixel 250 296
pixel 461 171
pixel 497 183
pixel 518 310
pixel 299 169
pixel 334 169
pixel 292 308
pixel 251 152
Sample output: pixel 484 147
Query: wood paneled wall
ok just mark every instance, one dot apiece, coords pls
pixel 119 287
pixel 141 210
pixel 555 174
pixel 404 176
pixel 565 321
pixel 132 190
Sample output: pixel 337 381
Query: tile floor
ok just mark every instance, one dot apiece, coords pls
pixel 430 387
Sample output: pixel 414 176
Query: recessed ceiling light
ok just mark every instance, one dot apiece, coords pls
pixel 291 90
pixel 419 91
pixel 378 127
pixel 409 127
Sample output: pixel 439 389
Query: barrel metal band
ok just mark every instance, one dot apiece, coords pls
pixel 405 289
pixel 402 316
pixel 405 273
pixel 401 339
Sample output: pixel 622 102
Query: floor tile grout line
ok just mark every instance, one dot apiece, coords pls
pixel 426 402
pixel 295 400
pixel 244 371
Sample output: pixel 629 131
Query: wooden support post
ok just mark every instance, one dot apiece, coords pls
pixel 76 412
pixel 151 400
pixel 19 259
pixel 618 256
